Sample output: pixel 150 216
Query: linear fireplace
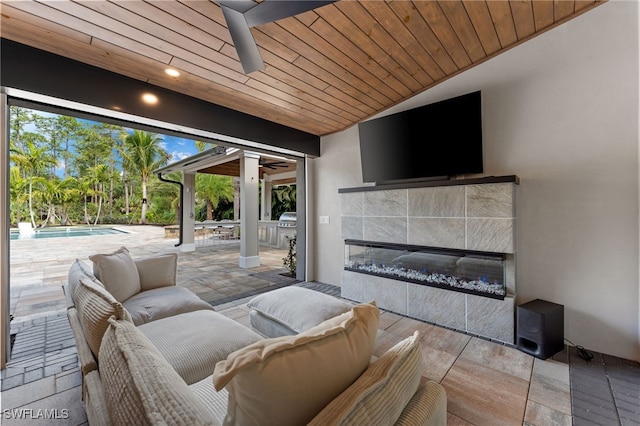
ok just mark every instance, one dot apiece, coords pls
pixel 466 271
pixel 439 251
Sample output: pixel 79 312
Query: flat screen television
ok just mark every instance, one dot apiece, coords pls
pixel 439 140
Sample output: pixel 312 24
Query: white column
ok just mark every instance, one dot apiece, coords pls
pixel 249 257
pixel 265 206
pixel 188 215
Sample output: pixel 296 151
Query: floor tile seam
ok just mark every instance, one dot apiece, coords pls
pixel 531 384
pixel 495 370
pixel 559 410
pixel 615 399
pixel 549 381
pixel 444 376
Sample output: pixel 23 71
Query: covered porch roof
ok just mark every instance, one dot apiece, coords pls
pixel 225 161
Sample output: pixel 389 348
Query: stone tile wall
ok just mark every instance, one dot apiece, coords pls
pixel 477 217
pixel 473 217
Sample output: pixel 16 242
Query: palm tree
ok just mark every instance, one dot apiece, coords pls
pixel 17 193
pixel 53 193
pixel 98 176
pixel 213 189
pixel 144 154
pixel 167 194
pixel 34 161
pixel 84 190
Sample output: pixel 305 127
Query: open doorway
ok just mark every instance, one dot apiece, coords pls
pixel 78 177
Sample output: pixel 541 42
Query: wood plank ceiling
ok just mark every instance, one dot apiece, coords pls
pixel 326 69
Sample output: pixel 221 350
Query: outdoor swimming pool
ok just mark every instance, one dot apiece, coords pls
pixel 65 232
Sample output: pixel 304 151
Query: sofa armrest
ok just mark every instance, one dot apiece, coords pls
pixel 68 296
pixel 87 361
pixel 95 403
pixel 157 271
pixel 428 406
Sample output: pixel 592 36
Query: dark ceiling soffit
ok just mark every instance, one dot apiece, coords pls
pixel 41 72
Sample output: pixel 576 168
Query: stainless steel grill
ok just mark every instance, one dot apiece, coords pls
pixel 287 220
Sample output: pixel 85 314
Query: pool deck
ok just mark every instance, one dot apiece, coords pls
pixel 38 267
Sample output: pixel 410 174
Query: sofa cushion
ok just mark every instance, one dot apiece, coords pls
pixel 140 386
pixel 216 402
pixel 298 308
pixel 118 272
pixel 157 271
pixel 195 341
pixel 158 303
pixel 380 394
pixel 288 380
pixel 95 305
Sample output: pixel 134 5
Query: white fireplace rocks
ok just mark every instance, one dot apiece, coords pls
pixel 475 215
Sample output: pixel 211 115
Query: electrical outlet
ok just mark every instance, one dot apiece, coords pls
pixel 324 220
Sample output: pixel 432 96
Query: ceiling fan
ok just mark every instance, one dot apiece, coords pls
pixel 241 15
pixel 272 165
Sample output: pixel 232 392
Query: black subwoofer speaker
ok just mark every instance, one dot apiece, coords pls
pixel 540 328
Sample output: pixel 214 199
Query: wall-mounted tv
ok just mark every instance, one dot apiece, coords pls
pixel 439 140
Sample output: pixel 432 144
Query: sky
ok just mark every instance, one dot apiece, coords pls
pixel 179 148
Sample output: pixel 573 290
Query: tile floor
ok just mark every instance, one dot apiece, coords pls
pixel 487 383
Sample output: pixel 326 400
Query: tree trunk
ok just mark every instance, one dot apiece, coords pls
pixel 145 205
pixel 33 219
pixel 126 192
pixel 111 193
pixel 99 208
pixel 86 213
pixel 209 210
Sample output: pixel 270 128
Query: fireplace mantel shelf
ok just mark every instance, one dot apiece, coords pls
pixel 424 184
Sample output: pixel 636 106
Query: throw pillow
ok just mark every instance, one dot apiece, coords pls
pixel 289 380
pixel 95 305
pixel 118 272
pixel 158 271
pixel 381 393
pixel 139 384
pixel 78 270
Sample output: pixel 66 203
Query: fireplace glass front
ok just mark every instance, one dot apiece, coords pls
pixel 480 273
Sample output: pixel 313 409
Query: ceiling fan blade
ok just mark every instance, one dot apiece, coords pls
pixel 242 39
pixel 241 15
pixel 272 10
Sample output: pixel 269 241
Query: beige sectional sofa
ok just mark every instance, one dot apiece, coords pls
pixel 152 352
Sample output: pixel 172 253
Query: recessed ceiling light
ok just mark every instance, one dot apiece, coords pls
pixel 150 98
pixel 172 72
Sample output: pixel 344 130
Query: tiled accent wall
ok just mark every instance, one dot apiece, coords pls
pixel 469 217
pixel 473 217
pixel 478 315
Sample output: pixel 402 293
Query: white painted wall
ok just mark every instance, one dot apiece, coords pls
pixel 561 112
